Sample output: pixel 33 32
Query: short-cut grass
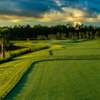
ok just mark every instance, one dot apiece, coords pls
pixel 76 52
pixel 60 80
pixel 68 70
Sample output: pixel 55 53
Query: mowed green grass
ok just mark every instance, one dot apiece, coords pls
pixel 87 48
pixel 71 72
pixel 76 52
pixel 60 80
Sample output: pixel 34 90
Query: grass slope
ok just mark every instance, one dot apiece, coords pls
pixel 29 46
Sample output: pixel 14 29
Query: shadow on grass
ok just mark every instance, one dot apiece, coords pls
pixel 78 41
pixel 17 89
pixel 51 53
pixel 71 41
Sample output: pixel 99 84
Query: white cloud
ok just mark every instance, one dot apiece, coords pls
pixel 58 2
pixel 75 23
pixel 98 17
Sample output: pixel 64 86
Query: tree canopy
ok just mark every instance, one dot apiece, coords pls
pixel 48 32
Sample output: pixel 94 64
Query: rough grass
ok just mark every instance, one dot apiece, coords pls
pixel 53 77
pixel 28 47
pixel 11 72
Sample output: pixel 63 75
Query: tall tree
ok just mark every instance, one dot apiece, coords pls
pixel 3 36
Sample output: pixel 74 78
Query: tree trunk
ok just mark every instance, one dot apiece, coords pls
pixel 3 49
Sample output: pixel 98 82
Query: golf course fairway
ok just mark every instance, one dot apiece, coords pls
pixel 59 80
pixel 68 70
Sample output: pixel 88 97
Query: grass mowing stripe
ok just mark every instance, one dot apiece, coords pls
pixel 44 56
pixel 77 52
pixel 74 81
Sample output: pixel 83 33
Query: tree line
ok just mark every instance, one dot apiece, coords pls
pixel 39 32
pixel 53 32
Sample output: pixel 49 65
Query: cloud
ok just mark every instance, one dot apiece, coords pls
pixel 49 10
pixel 16 18
pixel 27 7
pixel 70 15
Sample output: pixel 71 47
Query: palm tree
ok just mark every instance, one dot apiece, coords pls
pixel 3 36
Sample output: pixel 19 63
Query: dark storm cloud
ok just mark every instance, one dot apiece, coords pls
pixel 27 7
pixel 36 8
pixel 80 4
pixel 92 6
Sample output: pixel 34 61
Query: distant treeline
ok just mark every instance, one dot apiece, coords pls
pixel 54 32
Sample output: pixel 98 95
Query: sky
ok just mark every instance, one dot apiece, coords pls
pixel 49 12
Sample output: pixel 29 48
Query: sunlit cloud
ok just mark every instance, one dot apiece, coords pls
pixel 70 15
pixel 76 11
pixel 16 18
pixel 79 23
